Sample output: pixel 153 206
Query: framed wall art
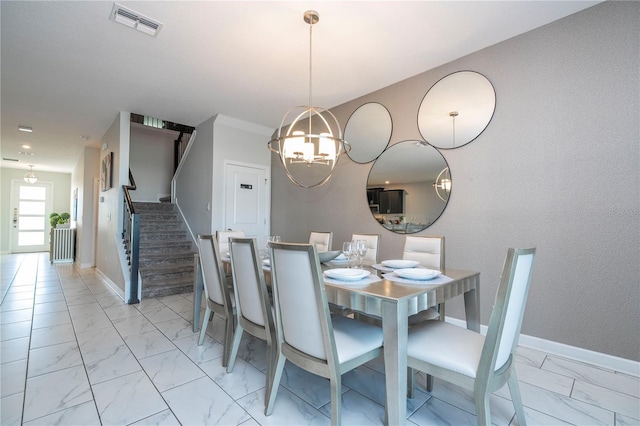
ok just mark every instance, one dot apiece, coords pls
pixel 106 172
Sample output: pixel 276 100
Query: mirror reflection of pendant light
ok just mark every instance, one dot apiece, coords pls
pixel 453 115
pixel 314 137
pixel 443 184
pixel 30 177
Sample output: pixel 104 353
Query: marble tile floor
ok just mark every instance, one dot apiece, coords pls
pixel 73 354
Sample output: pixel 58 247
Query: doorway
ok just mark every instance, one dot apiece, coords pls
pixel 30 203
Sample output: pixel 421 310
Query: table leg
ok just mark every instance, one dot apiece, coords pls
pixel 395 329
pixel 198 287
pixel 472 308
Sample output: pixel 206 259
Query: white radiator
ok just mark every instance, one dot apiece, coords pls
pixel 63 241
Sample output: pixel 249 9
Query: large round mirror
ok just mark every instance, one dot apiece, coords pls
pixel 368 131
pixel 456 109
pixel 408 187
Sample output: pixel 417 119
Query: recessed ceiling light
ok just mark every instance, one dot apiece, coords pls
pixel 25 129
pixel 26 146
pixel 25 153
pixel 135 20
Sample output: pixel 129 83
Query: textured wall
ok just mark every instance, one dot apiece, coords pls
pixel 557 168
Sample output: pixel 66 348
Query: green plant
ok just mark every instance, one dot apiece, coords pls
pixel 58 219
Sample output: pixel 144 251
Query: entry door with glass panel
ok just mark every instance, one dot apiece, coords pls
pixel 29 207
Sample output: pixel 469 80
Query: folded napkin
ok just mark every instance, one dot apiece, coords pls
pixel 365 281
pixel 442 279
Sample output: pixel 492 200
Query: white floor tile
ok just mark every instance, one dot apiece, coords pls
pixel 203 402
pixel 57 391
pixel 288 409
pixel 608 399
pixel 170 369
pixel 127 399
pixel 53 358
pixel 81 414
pixel 53 335
pixel 12 377
pixel 243 380
pixel 147 344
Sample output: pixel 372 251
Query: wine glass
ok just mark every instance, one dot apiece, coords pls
pixel 347 250
pixel 361 250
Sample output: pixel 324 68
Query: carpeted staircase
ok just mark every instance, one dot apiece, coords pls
pixel 166 252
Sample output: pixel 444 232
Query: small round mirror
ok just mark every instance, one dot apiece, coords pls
pixel 368 131
pixel 456 109
pixel 408 187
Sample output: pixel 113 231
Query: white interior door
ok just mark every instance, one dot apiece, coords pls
pixel 246 200
pixel 30 208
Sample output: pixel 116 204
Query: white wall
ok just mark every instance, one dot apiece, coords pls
pixel 151 163
pixel 200 183
pixel 82 179
pixel 557 168
pixel 109 237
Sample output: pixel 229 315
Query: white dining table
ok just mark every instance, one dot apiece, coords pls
pixel 393 302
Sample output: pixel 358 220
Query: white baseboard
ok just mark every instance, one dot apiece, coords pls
pixel 610 362
pixel 113 286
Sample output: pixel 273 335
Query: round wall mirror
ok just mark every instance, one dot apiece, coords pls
pixel 408 187
pixel 368 131
pixel 456 109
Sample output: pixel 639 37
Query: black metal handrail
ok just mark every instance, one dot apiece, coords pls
pixel 131 238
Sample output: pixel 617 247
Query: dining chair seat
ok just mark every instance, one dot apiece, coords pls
pixel 482 364
pixel 354 338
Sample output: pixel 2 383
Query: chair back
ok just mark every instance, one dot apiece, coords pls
pixel 373 245
pixel 429 251
pixel 249 285
pixel 322 240
pixel 223 239
pixel 506 319
pixel 212 272
pixel 302 312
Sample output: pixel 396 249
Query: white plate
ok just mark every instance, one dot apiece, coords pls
pixel 345 274
pixel 417 273
pixel 400 263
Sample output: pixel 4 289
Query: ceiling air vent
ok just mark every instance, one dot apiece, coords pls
pixel 134 20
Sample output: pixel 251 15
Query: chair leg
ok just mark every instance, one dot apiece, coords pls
pixel 205 322
pixel 271 357
pixel 235 344
pixel 336 401
pixel 228 336
pixel 516 398
pixel 275 383
pixel 483 411
pixel 429 382
pixel 411 381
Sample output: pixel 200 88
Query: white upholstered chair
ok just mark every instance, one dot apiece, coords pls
pixel 468 359
pixel 307 334
pixel 429 251
pixel 322 240
pixel 223 244
pixel 223 239
pixel 373 246
pixel 253 306
pixel 218 297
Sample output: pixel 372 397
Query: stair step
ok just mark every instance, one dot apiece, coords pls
pixel 166 258
pixel 166 252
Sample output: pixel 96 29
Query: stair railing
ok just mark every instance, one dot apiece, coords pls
pixel 131 238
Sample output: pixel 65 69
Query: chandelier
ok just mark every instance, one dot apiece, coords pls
pixel 311 145
pixel 30 177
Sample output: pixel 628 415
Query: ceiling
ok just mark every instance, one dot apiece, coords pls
pixel 67 69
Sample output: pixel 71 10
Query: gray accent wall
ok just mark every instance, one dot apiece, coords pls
pixel 557 168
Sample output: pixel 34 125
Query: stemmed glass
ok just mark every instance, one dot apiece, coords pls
pixel 347 250
pixel 361 251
